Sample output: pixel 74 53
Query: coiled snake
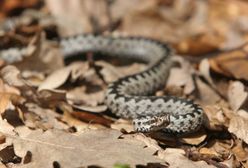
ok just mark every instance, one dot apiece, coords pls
pixel 128 96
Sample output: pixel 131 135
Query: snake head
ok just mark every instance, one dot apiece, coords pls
pixel 151 123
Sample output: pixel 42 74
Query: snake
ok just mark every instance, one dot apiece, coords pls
pixel 131 97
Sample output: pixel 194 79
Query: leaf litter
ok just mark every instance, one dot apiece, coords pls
pixel 53 112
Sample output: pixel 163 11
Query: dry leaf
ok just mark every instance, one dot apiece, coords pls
pixel 233 63
pixel 237 95
pixel 240 151
pixel 79 125
pixel 208 96
pixel 182 76
pixel 216 117
pixel 11 75
pixel 93 147
pixel 204 69
pixel 59 77
pixel 83 16
pixel 122 124
pixel 91 118
pixel 47 119
pixel 195 139
pixel 176 158
pixel 200 44
pixel 239 127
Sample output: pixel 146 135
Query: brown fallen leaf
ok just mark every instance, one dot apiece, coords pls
pixel 11 75
pixel 121 124
pixel 207 151
pixel 195 139
pixel 237 96
pixel 111 73
pixel 5 102
pixel 200 44
pixel 80 126
pixel 41 55
pixel 240 151
pixel 91 118
pixel 82 16
pixel 232 64
pixel 7 7
pixel 82 149
pixel 208 96
pixel 182 76
pixel 82 96
pixel 42 118
pixel 176 158
pixel 239 127
pixel 93 109
pixel 216 117
pixel 59 77
pixel 204 69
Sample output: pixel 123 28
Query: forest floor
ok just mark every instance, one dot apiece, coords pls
pixel 53 112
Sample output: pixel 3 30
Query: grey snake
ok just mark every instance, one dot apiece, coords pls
pixel 129 97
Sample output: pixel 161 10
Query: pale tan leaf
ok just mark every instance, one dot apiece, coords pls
pixel 207 94
pixel 59 77
pixel 56 79
pixel 182 76
pixel 11 75
pixel 239 127
pixel 204 69
pixel 94 147
pixel 122 124
pixel 237 95
pixel 176 158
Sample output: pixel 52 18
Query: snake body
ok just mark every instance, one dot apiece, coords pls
pixel 129 97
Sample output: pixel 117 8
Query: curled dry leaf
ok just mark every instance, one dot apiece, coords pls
pixel 8 100
pixel 92 118
pixel 8 8
pixel 207 151
pixel 112 73
pixel 93 109
pixel 236 122
pixel 232 64
pixel 34 78
pixel 237 95
pixel 206 43
pixel 195 139
pixel 182 76
pixel 41 55
pixel 149 142
pixel 204 69
pixel 239 127
pixel 240 151
pixel 122 124
pixel 79 19
pixel 216 117
pixel 11 75
pixel 176 158
pixel 6 128
pixel 79 125
pixel 43 118
pixel 80 97
pixel 59 77
pixel 208 96
pixel 55 80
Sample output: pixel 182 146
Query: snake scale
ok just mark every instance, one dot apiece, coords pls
pixel 129 97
